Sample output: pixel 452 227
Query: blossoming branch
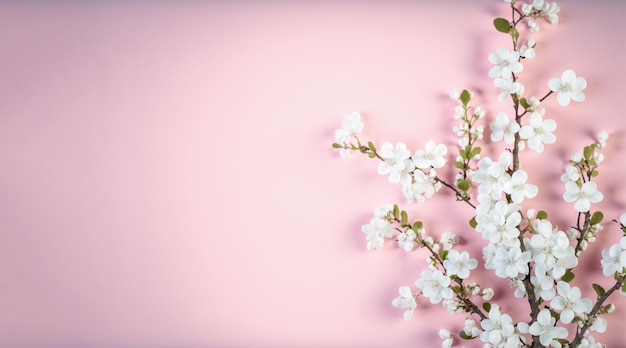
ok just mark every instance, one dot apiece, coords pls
pixel 538 259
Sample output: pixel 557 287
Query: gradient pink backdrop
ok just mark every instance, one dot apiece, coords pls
pixel 167 177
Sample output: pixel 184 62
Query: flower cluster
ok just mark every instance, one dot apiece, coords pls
pixel 521 245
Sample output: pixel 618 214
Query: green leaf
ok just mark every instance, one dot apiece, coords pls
pixel 371 146
pixel 599 290
pixel 443 254
pixel 475 151
pixel 465 97
pixel 464 185
pixel 487 306
pixel 596 218
pixel 473 222
pixel 588 151
pixel 624 287
pixel 568 276
pixel 337 146
pixel 405 216
pixel 417 225
pixel 594 173
pixel 542 215
pixel 465 336
pixel 514 33
pixel 396 212
pixel 459 165
pixel 502 25
pixel 524 103
pixel 371 155
pixel 463 154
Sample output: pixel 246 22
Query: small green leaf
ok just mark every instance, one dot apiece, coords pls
pixel 514 33
pixel 463 154
pixel 465 336
pixel 599 290
pixel 542 215
pixel 502 25
pixel 443 254
pixel 396 212
pixel 459 165
pixel 624 287
pixel 417 225
pixel 568 276
pixel 524 103
pixel 473 222
pixel 464 185
pixel 588 151
pixel 475 151
pixel 371 146
pixel 371 155
pixel 594 173
pixel 596 218
pixel 465 97
pixel 405 216
pixel 337 146
pixel 487 306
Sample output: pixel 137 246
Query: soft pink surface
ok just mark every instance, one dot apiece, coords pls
pixel 167 174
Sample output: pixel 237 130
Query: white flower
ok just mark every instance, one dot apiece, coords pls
pixel 503 128
pixel 459 263
pixel 582 196
pixel 506 63
pixel 434 285
pixel 518 188
pixel 569 302
pixel 599 325
pixel 511 263
pixel 422 187
pixel 571 174
pixel 470 328
pixel 406 239
pixel 507 87
pixel 376 231
pixel 446 337
pixel 538 132
pixel 498 327
pixel 350 126
pixel 433 156
pixel 528 50
pixel 614 258
pixel 487 294
pixel 394 160
pixel 603 136
pixel 406 300
pixel 545 329
pixel 569 87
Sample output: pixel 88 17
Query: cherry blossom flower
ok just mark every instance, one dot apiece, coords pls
pixel 434 285
pixel 528 50
pixel 511 262
pixel 569 302
pixel 459 263
pixel 393 163
pixel 518 188
pixel 446 337
pixel 376 231
pixel 504 128
pixel 507 87
pixel 614 258
pixel 569 87
pixel 470 328
pixel 423 186
pixel 406 300
pixel 538 132
pixel 545 329
pixel 582 196
pixel 406 239
pixel 497 327
pixel 432 156
pixel 350 126
pixel 506 63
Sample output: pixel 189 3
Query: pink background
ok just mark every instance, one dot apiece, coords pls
pixel 167 175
